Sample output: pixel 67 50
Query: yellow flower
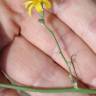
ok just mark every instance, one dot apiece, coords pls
pixel 37 4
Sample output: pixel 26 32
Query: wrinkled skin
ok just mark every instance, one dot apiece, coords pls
pixel 30 55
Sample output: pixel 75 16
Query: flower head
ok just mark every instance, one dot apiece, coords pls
pixel 38 5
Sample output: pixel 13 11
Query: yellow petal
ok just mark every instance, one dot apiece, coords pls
pixel 30 8
pixel 27 3
pixel 48 4
pixel 39 8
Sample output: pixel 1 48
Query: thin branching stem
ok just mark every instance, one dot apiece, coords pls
pixel 42 20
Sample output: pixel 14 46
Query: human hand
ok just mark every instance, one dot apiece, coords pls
pixel 28 65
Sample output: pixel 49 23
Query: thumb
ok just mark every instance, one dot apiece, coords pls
pixel 80 17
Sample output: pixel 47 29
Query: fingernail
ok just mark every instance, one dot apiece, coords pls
pixel 93 83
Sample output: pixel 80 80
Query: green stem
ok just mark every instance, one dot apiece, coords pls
pixel 57 45
pixel 70 73
pixel 42 21
pixel 49 90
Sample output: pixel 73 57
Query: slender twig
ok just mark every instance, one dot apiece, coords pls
pixel 49 90
pixel 42 20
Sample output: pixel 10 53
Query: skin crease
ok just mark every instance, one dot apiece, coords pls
pixel 71 45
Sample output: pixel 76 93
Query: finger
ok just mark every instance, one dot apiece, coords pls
pixel 8 26
pixel 82 57
pixel 16 5
pixel 8 92
pixel 27 65
pixel 41 66
pixel 70 43
pixel 81 17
